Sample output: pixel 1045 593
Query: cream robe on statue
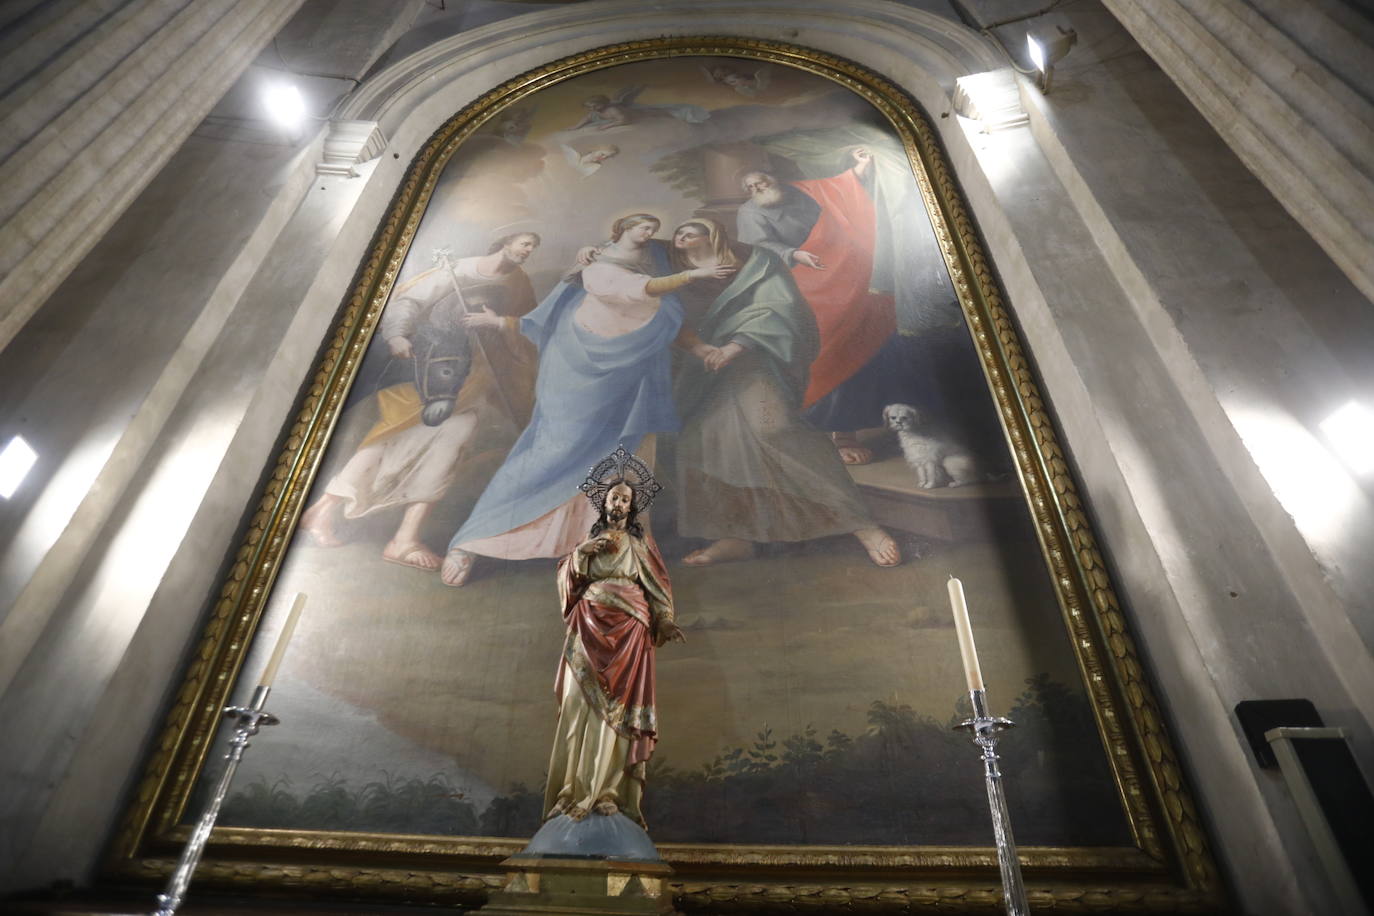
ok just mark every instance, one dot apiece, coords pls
pixel 613 604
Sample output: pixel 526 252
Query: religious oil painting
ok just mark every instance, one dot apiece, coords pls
pixel 728 267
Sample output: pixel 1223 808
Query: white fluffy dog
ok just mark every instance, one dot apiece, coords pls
pixel 937 462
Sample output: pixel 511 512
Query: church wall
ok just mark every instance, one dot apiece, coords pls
pixel 96 98
pixel 1184 511
pixel 1141 259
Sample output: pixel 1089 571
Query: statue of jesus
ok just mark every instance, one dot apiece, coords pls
pixel 618 607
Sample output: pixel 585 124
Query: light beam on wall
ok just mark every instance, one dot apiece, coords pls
pixel 284 104
pixel 16 460
pixel 991 98
pixel 1350 430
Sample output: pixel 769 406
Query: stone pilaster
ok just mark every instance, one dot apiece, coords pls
pixel 1275 81
pixel 112 90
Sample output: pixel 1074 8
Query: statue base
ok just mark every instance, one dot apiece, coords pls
pixel 598 865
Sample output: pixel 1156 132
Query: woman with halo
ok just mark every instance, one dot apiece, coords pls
pixel 604 381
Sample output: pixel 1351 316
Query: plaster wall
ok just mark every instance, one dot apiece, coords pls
pixel 1153 309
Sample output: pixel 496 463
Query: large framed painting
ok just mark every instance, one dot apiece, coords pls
pixel 747 263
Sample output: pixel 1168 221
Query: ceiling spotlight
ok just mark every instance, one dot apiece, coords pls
pixel 284 104
pixel 1350 429
pixel 1046 49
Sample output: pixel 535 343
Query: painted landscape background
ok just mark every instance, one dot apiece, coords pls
pixel 813 700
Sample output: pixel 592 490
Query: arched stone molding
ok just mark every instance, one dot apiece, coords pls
pixel 409 99
pixel 1087 303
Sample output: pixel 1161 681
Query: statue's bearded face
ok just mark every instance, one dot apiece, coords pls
pixel 618 502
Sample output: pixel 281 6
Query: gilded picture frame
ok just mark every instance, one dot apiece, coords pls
pixel 1169 867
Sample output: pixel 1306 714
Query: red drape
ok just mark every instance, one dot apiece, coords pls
pixel 854 321
pixel 618 645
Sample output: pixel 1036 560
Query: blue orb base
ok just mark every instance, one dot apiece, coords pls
pixel 597 836
pixel 602 865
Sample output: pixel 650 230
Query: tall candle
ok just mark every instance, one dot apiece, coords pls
pixel 964 629
pixel 269 674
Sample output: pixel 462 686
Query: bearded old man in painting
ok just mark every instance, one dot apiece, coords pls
pixel 824 229
pixel 618 607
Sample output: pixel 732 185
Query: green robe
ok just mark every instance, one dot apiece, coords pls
pixel 748 465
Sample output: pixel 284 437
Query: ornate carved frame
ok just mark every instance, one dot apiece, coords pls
pixel 1169 869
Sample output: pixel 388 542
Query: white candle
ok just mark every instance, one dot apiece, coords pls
pixel 964 629
pixel 269 674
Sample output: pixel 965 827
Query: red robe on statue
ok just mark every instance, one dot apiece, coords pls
pixel 854 321
pixel 613 604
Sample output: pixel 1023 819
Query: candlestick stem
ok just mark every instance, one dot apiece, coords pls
pixel 250 719
pixel 983 729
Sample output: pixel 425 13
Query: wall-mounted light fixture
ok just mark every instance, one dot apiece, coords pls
pixel 284 105
pixel 1046 49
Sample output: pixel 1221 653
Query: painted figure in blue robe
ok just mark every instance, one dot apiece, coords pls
pixel 605 380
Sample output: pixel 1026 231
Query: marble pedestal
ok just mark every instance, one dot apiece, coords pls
pixel 598 865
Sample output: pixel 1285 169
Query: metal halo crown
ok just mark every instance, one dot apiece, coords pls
pixel 621 467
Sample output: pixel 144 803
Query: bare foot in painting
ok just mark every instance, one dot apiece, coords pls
pixel 606 807
pixel 851 452
pixel 882 550
pixel 413 554
pixel 457 567
pixel 318 521
pixel 725 550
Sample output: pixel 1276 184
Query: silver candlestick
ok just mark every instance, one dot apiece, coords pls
pixel 984 728
pixel 250 719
